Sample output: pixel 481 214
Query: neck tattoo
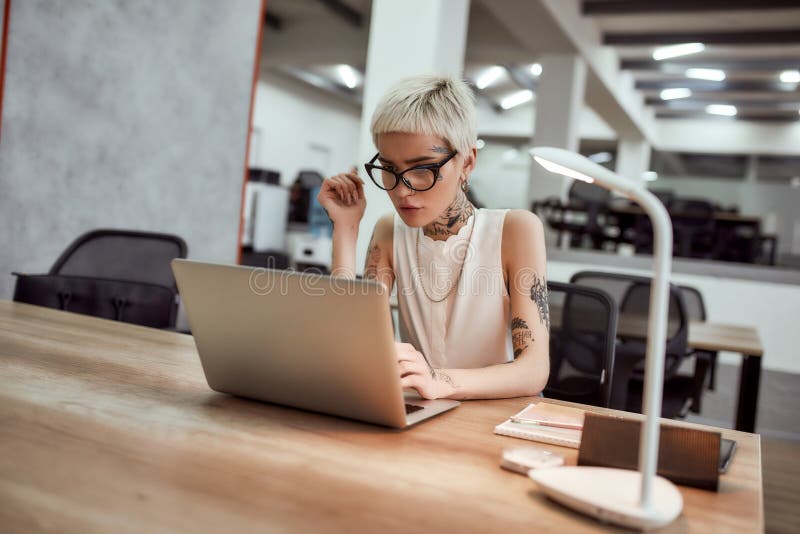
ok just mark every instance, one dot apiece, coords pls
pixel 451 220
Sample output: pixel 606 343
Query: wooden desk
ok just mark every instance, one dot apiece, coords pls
pixel 108 426
pixel 746 341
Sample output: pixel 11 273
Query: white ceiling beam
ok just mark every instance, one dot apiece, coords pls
pixel 557 26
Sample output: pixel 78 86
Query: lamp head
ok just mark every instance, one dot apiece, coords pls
pixel 572 165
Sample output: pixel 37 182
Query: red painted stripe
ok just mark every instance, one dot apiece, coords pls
pixel 4 48
pixel 261 15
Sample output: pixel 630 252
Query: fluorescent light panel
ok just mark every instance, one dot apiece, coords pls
pixel 721 109
pixel 601 157
pixel 675 93
pixel 489 76
pixel 515 99
pixel 790 76
pixel 666 52
pixel 714 75
pixel 348 75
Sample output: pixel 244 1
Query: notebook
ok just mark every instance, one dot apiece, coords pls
pixel 547 423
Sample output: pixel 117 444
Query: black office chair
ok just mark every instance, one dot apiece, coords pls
pixel 582 335
pixel 693 227
pixel 595 200
pixel 696 311
pixel 633 293
pixel 116 274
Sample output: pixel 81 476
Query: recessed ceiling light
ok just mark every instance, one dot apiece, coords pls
pixel 649 176
pixel 348 75
pixel 675 92
pixel 790 76
pixel 515 99
pixel 480 143
pixel 511 153
pixel 666 52
pixel 715 75
pixel 489 76
pixel 601 157
pixel 536 69
pixel 795 182
pixel 721 109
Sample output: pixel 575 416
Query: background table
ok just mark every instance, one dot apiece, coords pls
pixel 716 337
pixel 108 426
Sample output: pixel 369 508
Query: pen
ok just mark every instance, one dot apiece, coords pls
pixel 539 422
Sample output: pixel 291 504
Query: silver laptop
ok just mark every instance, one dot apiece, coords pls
pixel 300 339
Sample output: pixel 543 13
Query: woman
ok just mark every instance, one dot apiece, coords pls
pixel 471 283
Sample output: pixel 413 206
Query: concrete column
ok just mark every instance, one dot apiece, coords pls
pixel 559 102
pixel 633 158
pixel 749 203
pixel 405 38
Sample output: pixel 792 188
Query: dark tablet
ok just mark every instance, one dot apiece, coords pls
pixel 727 447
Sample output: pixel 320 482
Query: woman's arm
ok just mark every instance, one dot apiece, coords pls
pixel 524 258
pixel 378 264
pixel 342 197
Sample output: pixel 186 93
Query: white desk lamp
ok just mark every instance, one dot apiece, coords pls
pixel 637 499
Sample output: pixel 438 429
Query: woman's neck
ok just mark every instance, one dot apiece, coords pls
pixel 451 220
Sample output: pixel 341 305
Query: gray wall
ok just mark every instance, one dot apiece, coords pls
pixel 125 115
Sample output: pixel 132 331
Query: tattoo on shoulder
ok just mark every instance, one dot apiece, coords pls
pixel 540 295
pixel 521 335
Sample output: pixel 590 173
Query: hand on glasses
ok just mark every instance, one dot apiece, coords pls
pixel 343 198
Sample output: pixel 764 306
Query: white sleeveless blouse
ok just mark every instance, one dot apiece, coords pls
pixel 470 328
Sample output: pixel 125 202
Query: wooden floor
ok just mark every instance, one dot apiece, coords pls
pixel 778 422
pixel 780 460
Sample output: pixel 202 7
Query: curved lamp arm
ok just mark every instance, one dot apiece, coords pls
pixel 574 165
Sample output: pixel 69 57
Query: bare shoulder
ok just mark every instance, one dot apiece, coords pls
pixel 523 239
pixel 521 225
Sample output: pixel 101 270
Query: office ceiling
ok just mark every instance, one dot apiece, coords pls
pixel 752 41
pixel 304 38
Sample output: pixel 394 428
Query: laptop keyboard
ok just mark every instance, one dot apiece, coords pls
pixel 411 408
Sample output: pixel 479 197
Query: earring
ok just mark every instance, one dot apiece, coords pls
pixel 465 186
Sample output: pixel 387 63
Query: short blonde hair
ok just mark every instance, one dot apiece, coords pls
pixel 431 105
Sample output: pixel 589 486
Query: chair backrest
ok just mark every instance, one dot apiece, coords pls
pixel 691 207
pixel 122 255
pixel 582 338
pixel 581 192
pixel 693 214
pixel 633 295
pixel 634 298
pixel 693 301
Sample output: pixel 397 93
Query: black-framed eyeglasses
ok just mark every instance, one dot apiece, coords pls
pixel 419 178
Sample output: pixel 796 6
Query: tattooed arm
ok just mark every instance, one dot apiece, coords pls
pixel 378 264
pixel 524 264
